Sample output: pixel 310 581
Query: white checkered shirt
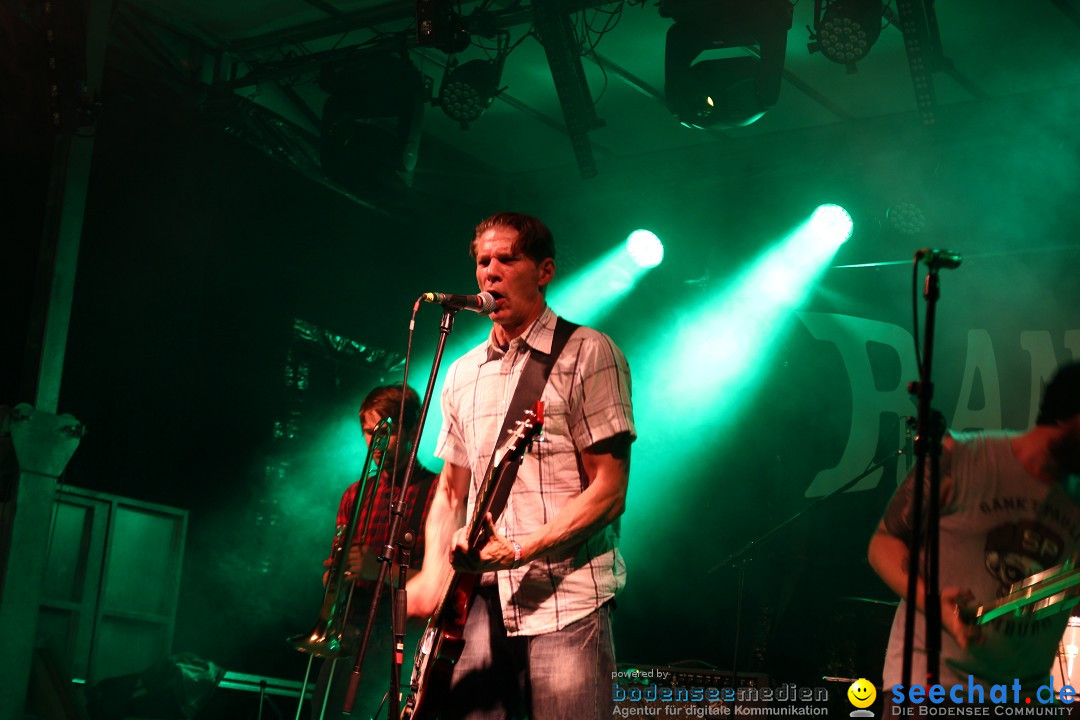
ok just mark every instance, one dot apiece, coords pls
pixel 586 400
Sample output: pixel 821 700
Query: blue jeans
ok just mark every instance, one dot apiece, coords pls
pixel 563 675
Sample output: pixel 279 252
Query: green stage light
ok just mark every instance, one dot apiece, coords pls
pixel 705 366
pixel 645 248
pixel 587 295
pixel 831 224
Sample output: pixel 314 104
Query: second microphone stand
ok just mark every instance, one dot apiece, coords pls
pixel 929 431
pixel 398 547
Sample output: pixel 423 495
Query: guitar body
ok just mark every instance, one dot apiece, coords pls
pixel 439 650
pixel 444 637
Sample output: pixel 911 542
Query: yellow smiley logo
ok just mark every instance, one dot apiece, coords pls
pixel 862 693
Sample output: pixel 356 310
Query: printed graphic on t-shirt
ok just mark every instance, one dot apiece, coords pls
pixel 1018 550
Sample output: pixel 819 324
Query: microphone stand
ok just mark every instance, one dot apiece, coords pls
pixel 929 430
pixel 390 550
pixel 398 614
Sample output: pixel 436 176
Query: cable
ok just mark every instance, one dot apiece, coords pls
pixel 614 16
pixel 401 409
pixel 603 71
pixel 915 313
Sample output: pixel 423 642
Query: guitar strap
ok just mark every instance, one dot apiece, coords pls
pixel 534 377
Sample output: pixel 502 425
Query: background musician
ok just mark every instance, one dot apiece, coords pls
pixel 363 567
pixel 1008 510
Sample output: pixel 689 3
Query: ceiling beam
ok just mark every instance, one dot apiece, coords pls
pixel 564 59
pixel 817 96
pixel 395 11
pixel 918 24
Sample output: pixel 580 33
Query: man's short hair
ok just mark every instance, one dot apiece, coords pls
pixel 1061 399
pixel 386 401
pixel 534 239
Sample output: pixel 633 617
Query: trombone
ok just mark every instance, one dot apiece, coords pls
pixel 327 639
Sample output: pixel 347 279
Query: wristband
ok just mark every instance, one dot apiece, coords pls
pixel 517 554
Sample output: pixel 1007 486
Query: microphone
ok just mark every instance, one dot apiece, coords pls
pixel 937 258
pixel 483 303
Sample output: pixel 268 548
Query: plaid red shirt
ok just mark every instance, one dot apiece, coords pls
pixel 379 530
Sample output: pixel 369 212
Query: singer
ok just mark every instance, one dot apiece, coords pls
pixel 538 637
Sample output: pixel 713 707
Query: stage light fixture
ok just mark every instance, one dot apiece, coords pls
pixel 645 248
pixel 733 91
pixel 831 224
pixel 438 25
pixel 845 30
pixel 906 219
pixel 469 89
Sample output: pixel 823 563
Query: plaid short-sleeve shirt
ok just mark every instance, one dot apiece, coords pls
pixel 586 400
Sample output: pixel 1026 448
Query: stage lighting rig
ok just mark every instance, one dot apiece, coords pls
pixel 845 30
pixel 468 89
pixel 906 219
pixel 438 26
pixel 731 91
pixel 372 118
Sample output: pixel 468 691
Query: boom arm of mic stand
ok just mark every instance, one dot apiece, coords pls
pixel 775 529
pixel 745 549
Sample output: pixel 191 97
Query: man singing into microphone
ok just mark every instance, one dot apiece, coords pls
pixel 538 637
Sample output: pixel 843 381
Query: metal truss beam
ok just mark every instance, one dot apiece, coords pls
pixel 397 11
pixel 552 22
pixel 918 23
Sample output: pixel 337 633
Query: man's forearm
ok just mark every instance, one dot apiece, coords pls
pixel 445 516
pixel 598 506
pixel 889 555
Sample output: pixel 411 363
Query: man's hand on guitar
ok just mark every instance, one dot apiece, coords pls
pixel 953 602
pixel 496 553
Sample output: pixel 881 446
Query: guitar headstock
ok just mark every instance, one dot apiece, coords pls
pixel 529 427
pixel 536 417
pixel 523 433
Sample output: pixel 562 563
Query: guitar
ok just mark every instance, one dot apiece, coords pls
pixel 1045 593
pixel 442 641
